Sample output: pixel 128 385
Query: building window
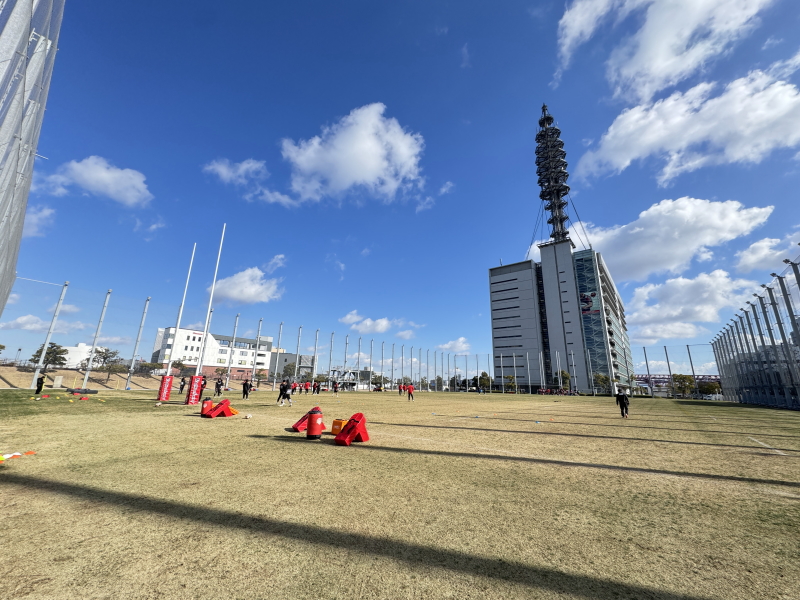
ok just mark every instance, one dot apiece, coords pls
pixel 242 353
pixel 169 346
pixel 187 338
pixel 223 351
pixel 186 347
pixel 221 360
pixel 242 362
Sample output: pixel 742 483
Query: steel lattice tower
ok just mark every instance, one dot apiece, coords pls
pixel 551 167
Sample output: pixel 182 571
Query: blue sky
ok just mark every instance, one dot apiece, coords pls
pixel 379 158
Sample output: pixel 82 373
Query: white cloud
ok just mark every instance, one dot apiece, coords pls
pixel 37 325
pixel 692 129
pixel 98 177
pixel 351 317
pixel 363 151
pixel 114 339
pixel 248 287
pixel 771 42
pixel 458 346
pixel 159 224
pixel 425 204
pixel 768 253
pixel 446 188
pixel 199 326
pixel 669 235
pixel 13 298
pixel 66 309
pixel 277 261
pixel 373 326
pixel 441 30
pixel 240 173
pixel 366 251
pixel 415 325
pixel 465 64
pixel 405 335
pixel 37 219
pixel 672 309
pixel 676 39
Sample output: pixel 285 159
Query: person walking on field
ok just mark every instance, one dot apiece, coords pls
pixel 335 389
pixel 307 385
pixel 218 387
pixel 183 385
pixel 410 390
pixel 400 389
pixel 623 402
pixel 39 384
pixel 281 392
pixel 288 394
pixel 246 387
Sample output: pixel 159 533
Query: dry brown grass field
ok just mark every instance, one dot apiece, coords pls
pixel 455 496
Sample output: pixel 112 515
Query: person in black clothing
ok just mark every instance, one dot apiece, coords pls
pixel 218 387
pixel 281 392
pixel 183 385
pixel 39 384
pixel 246 389
pixel 623 402
pixel 204 384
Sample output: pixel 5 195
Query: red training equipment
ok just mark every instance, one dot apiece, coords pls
pixel 165 388
pixel 354 431
pixel 303 422
pixel 195 390
pixel 223 409
pixel 206 407
pixel 315 424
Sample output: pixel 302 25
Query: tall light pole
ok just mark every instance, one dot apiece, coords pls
pixel 180 315
pixel 53 321
pixel 136 345
pixel 232 351
pixel 277 356
pixel 210 301
pixel 297 353
pixel 258 346
pixel 94 341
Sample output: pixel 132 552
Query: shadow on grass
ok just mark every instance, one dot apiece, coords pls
pixel 574 435
pixel 550 461
pixel 584 586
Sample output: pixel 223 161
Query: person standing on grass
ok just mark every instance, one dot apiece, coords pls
pixel 307 385
pixel 281 392
pixel 246 387
pixel 623 402
pixel 218 387
pixel 183 385
pixel 335 389
pixel 203 385
pixel 400 389
pixel 288 394
pixel 410 390
pixel 39 384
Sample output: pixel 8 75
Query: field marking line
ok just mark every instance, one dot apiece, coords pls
pixel 765 446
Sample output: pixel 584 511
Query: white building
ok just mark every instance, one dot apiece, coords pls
pixel 77 354
pixel 220 350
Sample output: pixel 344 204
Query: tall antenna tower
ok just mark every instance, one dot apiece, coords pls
pixel 551 167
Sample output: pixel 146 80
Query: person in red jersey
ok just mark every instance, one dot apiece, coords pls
pixel 410 390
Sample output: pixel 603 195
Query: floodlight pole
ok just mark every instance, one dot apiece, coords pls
pixel 358 364
pixel 382 371
pixel 277 356
pixel 210 301
pixel 40 362
pixel 428 368
pixel 297 353
pixel 649 378
pixel 180 313
pixel 402 362
pixel 203 346
pixel 330 360
pixel 371 370
pixel 138 339
pixel 392 367
pixel 419 367
pixel 258 345
pixel 669 370
pixel 448 373
pixel 94 341
pixel 346 346
pixel 528 364
pixel 232 350
pixel 314 362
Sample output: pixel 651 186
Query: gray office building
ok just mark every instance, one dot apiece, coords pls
pixel 562 314
pixel 28 42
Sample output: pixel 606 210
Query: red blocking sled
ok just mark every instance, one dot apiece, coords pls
pixel 302 424
pixel 354 431
pixel 223 409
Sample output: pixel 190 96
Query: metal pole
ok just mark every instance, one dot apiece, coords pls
pixel 297 353
pixel 346 345
pixel 558 369
pixel 371 370
pixel 255 359
pixel 778 363
pixel 691 364
pixel 330 361
pixel 203 347
pixel 358 364
pixel 419 367
pixel 314 361
pixel 542 382
pixel 40 362
pixel 791 363
pixel 138 339
pixel 210 300
pixel 233 351
pixel 180 313
pixel 383 376
pixel 528 365
pixel 428 368
pixel 449 386
pixel 411 364
pixel 514 362
pixel 435 370
pixel 392 387
pixel 94 341
pixel 402 362
pixel 669 369
pixel 278 355
pixel 649 378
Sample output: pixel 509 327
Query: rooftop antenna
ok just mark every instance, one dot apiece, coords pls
pixel 551 167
